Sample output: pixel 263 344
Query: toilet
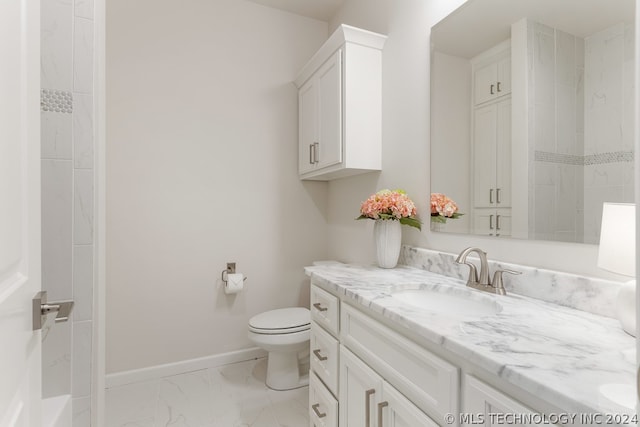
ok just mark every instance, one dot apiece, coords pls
pixel 284 333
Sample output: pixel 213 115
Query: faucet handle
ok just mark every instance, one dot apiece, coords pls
pixel 473 273
pixel 497 280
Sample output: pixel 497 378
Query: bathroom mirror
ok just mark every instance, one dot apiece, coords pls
pixel 532 116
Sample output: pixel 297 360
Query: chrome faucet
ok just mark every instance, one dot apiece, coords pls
pixel 482 282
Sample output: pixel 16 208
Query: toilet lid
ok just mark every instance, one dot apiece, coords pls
pixel 284 319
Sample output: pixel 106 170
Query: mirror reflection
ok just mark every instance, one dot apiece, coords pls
pixel 532 116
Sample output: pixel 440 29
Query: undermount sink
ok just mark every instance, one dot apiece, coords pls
pixel 449 301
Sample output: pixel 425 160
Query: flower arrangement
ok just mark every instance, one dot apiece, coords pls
pixel 393 205
pixel 442 208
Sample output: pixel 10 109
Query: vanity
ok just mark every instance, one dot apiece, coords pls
pixel 411 347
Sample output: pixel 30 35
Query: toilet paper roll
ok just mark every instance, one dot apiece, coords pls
pixel 234 283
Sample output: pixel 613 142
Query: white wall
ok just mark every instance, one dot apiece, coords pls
pixel 202 170
pixel 406 157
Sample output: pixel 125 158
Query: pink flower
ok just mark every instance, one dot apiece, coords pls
pixel 388 204
pixel 442 205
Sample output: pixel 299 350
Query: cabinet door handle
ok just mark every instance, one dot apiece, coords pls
pixel 319 356
pixel 317 411
pixel 311 154
pixel 491 90
pixel 367 406
pixel 490 222
pixel 497 222
pixel 319 307
pixel 497 195
pixel 381 406
pixel 498 87
pixel 491 196
pixel 316 149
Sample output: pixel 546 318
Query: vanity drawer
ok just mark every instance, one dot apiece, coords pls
pixel 325 351
pixel 325 309
pixel 323 407
pixel 430 382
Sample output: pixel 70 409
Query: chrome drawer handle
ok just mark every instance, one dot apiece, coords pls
pixel 381 406
pixel 367 404
pixel 318 413
pixel 319 307
pixel 319 356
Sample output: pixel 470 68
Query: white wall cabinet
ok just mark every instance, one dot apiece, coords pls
pixel 492 80
pixel 492 155
pixel 340 106
pixel 492 222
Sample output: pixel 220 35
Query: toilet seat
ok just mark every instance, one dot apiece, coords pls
pixel 281 321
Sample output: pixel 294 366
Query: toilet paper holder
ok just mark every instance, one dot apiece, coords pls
pixel 231 269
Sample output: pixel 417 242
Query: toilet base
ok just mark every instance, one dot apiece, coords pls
pixel 283 371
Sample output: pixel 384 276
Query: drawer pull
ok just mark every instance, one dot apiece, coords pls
pixel 318 413
pixel 381 406
pixel 319 307
pixel 319 356
pixel 367 404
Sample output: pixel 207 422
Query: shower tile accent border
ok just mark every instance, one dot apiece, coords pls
pixel 583 293
pixel 57 101
pixel 591 159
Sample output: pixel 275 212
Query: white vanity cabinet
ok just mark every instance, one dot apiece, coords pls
pixel 340 106
pixel 366 374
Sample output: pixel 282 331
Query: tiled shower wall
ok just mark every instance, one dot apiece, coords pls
pixel 609 123
pixel 68 196
pixel 582 111
pixel 556 82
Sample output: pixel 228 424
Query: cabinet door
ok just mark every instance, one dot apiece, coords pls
pixel 360 389
pixel 308 124
pixel 503 84
pixel 395 410
pixel 486 406
pixel 484 222
pixel 503 222
pixel 503 154
pixel 329 82
pixel 484 83
pixel 484 156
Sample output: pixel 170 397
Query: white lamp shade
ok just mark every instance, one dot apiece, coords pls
pixel 617 252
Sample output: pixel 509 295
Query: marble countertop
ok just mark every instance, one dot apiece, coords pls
pixel 559 354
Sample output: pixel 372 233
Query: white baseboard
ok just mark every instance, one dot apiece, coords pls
pixel 169 369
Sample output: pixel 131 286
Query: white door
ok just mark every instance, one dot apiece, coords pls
pixel 20 371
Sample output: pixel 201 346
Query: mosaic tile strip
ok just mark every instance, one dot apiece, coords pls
pixel 614 157
pixel 565 159
pixel 591 159
pixel 58 101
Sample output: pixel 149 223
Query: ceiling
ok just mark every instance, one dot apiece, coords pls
pixel 322 10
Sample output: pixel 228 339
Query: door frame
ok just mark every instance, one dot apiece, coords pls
pixel 98 352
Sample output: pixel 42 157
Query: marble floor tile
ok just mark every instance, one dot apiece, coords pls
pixel 233 395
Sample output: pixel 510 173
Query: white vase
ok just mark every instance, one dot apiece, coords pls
pixel 388 237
